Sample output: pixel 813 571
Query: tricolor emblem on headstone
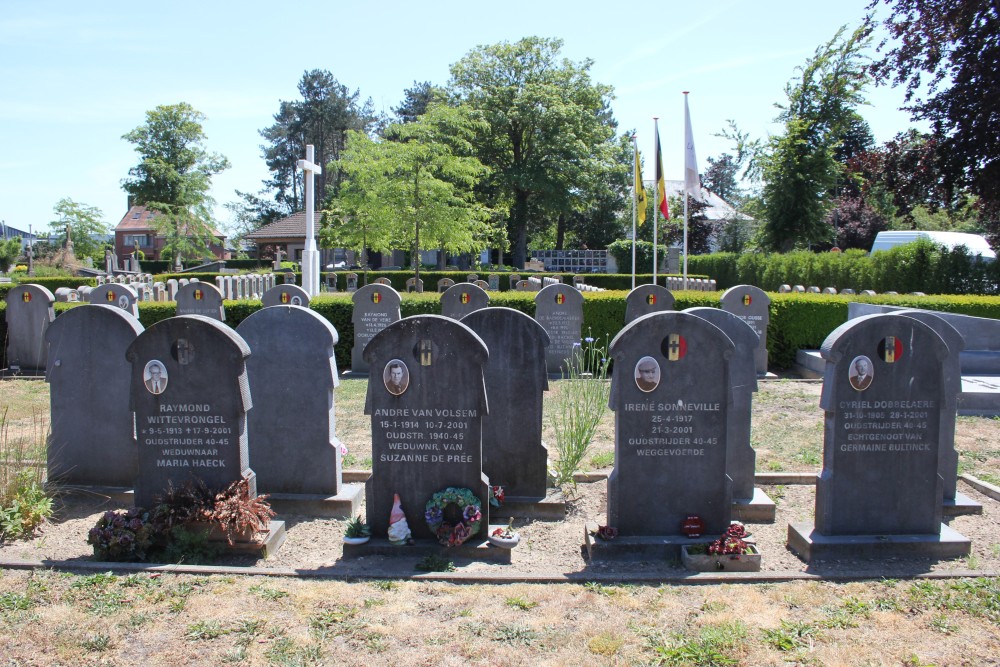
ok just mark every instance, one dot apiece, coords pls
pixel 560 298
pixel 676 347
pixel 26 297
pixel 465 297
pixel 110 296
pixel 284 297
pixel 376 297
pixel 890 349
pixel 747 299
pixel 651 299
pixel 197 295
pixel 426 352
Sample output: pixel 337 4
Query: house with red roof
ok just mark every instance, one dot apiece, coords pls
pixel 138 227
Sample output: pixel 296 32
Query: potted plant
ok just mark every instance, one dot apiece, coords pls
pixel 357 531
pixel 733 551
pixel 506 537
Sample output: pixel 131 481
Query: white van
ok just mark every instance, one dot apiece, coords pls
pixel 975 243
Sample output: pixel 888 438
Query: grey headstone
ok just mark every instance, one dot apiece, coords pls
pixel 201 299
pixel 523 286
pixel 29 314
pixel 382 280
pixel 67 295
pixel 291 430
pixel 289 278
pixel 742 459
pixel 493 280
pixel 813 290
pixel 414 285
pixel 92 437
pixel 172 289
pixel 445 284
pixel 427 433
pixel 670 425
pixel 285 295
pixel 752 305
pixel 514 455
pixel 883 428
pixel 206 391
pixel 646 299
pixel 559 309
pixel 118 296
pixel 462 299
pixel 482 284
pixel 785 289
pixel 847 290
pixel 829 290
pixel 513 280
pixel 375 308
pixel 472 278
pixel 953 385
pixel 352 282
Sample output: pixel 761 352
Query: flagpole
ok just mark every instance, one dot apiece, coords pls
pixel 635 165
pixel 691 179
pixel 656 203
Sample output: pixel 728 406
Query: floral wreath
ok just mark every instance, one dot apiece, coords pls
pixel 453 515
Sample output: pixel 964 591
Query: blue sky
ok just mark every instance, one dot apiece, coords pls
pixel 75 77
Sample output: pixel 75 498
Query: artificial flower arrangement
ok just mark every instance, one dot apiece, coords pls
pixel 453 515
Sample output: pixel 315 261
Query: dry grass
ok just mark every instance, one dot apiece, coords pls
pixel 48 619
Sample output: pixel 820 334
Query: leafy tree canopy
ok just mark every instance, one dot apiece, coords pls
pixel 85 222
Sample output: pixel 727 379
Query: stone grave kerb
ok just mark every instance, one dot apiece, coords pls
pixel 850 491
pixel 668 469
pixel 445 374
pixel 375 307
pixel 92 437
pixel 216 387
pixel 647 299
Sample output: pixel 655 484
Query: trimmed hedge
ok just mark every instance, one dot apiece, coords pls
pixel 797 321
pixel 920 266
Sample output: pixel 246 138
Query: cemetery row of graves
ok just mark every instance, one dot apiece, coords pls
pixel 455 402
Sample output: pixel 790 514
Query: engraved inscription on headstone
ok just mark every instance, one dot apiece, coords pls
pixel 559 309
pixel 190 396
pixel 751 304
pixel 376 306
pixel 670 393
pixel 201 299
pixel 427 432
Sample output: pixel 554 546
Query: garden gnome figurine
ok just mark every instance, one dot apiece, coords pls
pixel 399 530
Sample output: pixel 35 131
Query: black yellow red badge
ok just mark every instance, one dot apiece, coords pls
pixel 890 349
pixel 676 346
pixel 376 297
pixel 747 299
pixel 651 299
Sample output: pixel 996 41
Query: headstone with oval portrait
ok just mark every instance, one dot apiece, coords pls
pixel 671 398
pixel 190 396
pixel 461 299
pixel 646 299
pixel 198 298
pixel 29 313
pixel 427 399
pixel 285 295
pixel 885 395
pixel 376 306
pixel 752 305
pixel 514 456
pixel 559 309
pixel 91 442
pixel 123 297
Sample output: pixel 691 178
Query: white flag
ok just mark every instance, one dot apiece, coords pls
pixel 692 184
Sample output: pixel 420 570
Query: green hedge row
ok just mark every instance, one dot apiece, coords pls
pixel 798 321
pixel 920 266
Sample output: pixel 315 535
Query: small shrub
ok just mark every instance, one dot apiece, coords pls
pixel 122 535
pixel 435 563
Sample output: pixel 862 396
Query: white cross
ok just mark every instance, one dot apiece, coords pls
pixel 310 259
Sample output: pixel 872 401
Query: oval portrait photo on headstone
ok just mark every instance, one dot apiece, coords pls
pixel 861 372
pixel 155 376
pixel 647 374
pixel 396 377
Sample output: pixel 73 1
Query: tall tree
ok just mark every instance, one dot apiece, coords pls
pixel 327 111
pixel 549 125
pixel 413 189
pixel 415 101
pixel 955 42
pixel 799 167
pixel 85 222
pixel 174 176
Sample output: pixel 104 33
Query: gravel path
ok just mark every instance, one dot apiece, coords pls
pixel 548 548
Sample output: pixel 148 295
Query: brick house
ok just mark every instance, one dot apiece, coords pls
pixel 137 226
